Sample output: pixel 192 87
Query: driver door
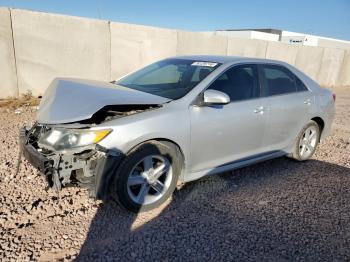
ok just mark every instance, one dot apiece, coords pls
pixel 221 134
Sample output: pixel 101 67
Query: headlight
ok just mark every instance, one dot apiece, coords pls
pixel 63 139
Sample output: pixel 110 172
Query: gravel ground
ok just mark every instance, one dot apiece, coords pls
pixel 278 210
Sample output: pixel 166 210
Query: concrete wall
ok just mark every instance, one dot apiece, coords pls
pixel 282 52
pixel 50 45
pixel 308 60
pixel 8 78
pixel 200 44
pixel 133 46
pixel 45 46
pixel 344 77
pixel 333 43
pixel 331 64
pixel 246 47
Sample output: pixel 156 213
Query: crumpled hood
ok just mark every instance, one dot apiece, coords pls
pixel 70 100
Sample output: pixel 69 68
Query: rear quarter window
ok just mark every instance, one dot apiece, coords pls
pixel 300 85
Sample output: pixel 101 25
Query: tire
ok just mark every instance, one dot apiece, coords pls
pixel 306 142
pixel 127 185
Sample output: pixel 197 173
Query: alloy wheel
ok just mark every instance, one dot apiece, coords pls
pixel 308 142
pixel 149 179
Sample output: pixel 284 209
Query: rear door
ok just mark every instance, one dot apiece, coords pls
pixel 289 105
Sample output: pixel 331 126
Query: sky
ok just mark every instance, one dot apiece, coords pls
pixel 330 18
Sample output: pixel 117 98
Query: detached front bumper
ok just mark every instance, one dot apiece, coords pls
pixel 35 158
pixel 92 169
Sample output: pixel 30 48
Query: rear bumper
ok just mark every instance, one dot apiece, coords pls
pixel 328 120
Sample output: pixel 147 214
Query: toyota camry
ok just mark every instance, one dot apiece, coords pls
pixel 137 138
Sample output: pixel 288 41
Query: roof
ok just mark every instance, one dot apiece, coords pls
pixel 226 59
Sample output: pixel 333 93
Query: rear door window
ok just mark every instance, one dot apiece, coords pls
pixel 277 80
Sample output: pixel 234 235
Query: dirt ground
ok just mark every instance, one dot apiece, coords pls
pixel 278 210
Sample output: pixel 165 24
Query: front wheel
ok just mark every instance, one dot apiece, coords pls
pixel 147 177
pixel 307 141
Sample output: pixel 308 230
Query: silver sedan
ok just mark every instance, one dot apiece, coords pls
pixel 135 139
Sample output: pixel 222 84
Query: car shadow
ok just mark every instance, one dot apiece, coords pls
pixel 277 210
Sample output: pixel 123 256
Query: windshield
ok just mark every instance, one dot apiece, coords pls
pixel 170 78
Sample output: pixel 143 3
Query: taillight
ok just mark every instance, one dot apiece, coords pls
pixel 334 97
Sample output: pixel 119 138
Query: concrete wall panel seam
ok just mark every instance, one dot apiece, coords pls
pixel 295 57
pixel 342 66
pixel 8 70
pixel 319 68
pixel 14 54
pixel 177 42
pixel 267 44
pixel 110 51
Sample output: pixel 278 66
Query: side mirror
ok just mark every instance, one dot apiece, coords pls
pixel 215 97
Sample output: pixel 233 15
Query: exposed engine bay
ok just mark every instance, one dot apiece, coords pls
pixel 116 111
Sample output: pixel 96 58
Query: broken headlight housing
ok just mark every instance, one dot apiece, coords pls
pixel 66 139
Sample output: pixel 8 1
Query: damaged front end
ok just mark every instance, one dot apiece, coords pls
pixel 69 154
pixel 64 143
pixel 88 164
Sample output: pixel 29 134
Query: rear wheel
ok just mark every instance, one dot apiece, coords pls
pixel 147 177
pixel 307 141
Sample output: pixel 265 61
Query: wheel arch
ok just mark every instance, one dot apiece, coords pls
pixel 320 123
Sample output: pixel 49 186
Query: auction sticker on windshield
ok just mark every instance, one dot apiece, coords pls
pixel 208 64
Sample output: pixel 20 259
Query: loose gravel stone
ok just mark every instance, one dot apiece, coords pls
pixel 274 211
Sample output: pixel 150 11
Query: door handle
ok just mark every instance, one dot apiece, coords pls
pixel 307 102
pixel 259 110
